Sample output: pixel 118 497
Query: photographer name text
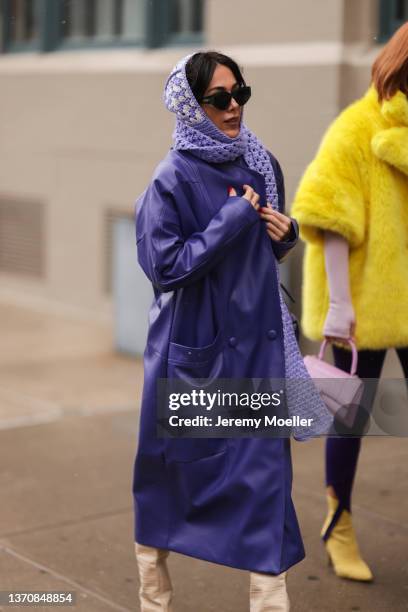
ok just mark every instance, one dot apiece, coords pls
pixel 252 422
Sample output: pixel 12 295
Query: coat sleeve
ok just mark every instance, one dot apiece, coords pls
pixel 282 248
pixel 169 259
pixel 331 193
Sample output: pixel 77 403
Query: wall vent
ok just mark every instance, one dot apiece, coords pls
pixel 22 237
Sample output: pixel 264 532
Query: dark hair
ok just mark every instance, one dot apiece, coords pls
pixel 200 69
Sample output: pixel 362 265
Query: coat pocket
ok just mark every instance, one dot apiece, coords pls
pixel 188 363
pixel 185 450
pixel 196 367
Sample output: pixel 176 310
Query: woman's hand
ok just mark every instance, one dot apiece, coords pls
pixel 278 225
pixel 340 323
pixel 249 194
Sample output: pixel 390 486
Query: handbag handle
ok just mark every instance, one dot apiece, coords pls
pixel 354 360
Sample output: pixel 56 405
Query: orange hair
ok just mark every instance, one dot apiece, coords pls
pixel 390 70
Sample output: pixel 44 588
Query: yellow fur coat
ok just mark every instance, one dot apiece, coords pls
pixel 358 186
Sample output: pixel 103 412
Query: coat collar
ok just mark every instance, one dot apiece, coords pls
pixel 391 144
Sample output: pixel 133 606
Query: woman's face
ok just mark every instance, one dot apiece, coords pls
pixel 229 120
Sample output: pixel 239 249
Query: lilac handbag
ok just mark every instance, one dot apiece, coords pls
pixel 341 391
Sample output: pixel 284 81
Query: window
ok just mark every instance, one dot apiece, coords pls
pixel 393 13
pixel 174 22
pixel 20 25
pixel 185 19
pixel 102 22
pixel 49 25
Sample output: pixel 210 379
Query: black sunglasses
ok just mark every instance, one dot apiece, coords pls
pixel 222 99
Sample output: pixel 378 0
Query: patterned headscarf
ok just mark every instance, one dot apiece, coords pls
pixel 196 132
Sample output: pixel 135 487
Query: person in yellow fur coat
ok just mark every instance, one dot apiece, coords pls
pixel 352 208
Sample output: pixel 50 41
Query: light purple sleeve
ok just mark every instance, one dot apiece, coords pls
pixel 340 315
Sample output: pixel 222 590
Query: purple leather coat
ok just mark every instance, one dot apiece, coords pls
pixel 216 313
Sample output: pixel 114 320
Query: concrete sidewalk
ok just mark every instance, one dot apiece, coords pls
pixel 68 427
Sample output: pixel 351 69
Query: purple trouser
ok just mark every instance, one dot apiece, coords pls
pixel 342 453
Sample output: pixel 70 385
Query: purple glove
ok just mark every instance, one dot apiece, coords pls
pixel 340 320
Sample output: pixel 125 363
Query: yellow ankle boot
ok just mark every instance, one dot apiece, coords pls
pixel 342 546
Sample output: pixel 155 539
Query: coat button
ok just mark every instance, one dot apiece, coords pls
pixel 271 334
pixel 232 341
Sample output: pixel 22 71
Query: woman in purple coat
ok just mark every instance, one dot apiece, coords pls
pixel 210 230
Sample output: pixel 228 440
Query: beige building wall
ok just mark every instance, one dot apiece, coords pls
pixel 82 131
pixel 232 22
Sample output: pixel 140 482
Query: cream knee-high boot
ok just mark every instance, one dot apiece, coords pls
pixel 268 593
pixel 155 590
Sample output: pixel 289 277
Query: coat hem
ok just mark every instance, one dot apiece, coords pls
pixel 179 550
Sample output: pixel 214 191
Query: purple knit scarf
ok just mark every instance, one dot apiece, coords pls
pixel 196 132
